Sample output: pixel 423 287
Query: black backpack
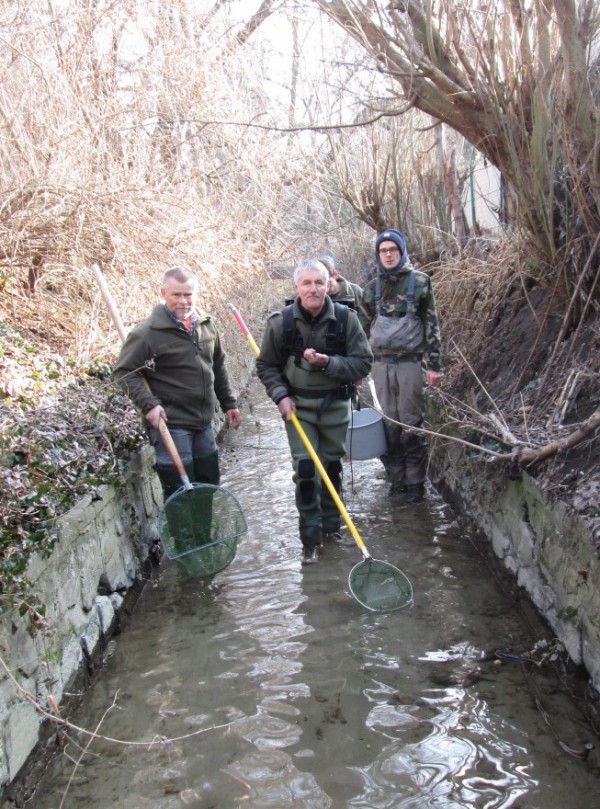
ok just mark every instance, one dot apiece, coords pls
pixel 335 341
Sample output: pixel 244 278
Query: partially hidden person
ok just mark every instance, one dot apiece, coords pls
pixel 339 289
pixel 173 367
pixel 311 353
pixel 398 313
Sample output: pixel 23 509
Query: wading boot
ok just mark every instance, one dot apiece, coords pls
pixel 415 493
pixel 310 555
pixel 169 479
pixel 396 488
pixel 179 537
pixel 206 469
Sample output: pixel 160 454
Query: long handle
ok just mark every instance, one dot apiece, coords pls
pixel 162 426
pixel 309 447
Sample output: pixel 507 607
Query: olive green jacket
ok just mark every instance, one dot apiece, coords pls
pixel 348 292
pixel 274 364
pixel 185 373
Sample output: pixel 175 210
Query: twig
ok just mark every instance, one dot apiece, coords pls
pixel 57 720
pixel 481 385
pixel 526 455
pixel 506 434
pixel 84 751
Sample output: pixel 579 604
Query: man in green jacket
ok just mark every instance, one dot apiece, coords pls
pixel 172 365
pixel 311 354
pixel 339 289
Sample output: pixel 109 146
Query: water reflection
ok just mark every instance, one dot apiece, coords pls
pixel 283 692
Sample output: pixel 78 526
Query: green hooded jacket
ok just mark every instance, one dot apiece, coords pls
pixel 186 373
pixel 348 292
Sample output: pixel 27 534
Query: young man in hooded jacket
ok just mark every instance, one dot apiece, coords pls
pixel 399 315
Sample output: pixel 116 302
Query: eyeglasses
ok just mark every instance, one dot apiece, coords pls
pixel 389 250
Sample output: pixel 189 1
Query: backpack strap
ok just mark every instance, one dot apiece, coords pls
pixel 335 339
pixel 338 330
pixel 410 295
pixel 292 339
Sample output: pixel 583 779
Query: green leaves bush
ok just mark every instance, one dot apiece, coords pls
pixel 63 433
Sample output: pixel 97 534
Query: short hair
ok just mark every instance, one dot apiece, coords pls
pixel 311 264
pixel 329 263
pixel 180 274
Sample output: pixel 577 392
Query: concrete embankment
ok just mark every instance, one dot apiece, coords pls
pixel 546 545
pixel 79 591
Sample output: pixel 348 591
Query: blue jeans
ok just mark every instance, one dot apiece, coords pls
pixel 190 444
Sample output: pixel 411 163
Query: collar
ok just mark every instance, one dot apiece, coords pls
pixel 179 324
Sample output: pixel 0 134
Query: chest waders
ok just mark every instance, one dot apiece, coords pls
pixel 398 377
pixel 324 412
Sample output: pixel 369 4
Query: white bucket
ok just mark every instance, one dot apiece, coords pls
pixel 365 437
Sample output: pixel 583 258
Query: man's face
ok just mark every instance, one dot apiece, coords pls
pixel 389 254
pixel 311 286
pixel 180 297
pixel 334 285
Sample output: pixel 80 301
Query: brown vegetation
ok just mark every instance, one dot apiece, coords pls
pixel 140 151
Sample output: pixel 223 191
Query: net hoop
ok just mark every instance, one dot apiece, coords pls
pixel 199 528
pixel 380 586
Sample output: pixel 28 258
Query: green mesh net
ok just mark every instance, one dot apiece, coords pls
pixel 379 586
pixel 200 528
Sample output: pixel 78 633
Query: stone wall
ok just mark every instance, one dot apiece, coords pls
pixel 104 544
pixel 547 547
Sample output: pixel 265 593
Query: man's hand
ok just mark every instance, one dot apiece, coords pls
pixel 433 378
pixel 319 360
pixel 154 416
pixel 234 417
pixel 287 406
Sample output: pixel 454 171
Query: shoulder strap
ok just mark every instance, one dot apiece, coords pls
pixel 410 294
pixel 292 340
pixel 337 332
pixel 335 338
pixel 378 295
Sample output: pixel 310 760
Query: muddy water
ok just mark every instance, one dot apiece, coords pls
pixel 270 687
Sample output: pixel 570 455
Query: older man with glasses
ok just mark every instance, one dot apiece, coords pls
pixel 398 314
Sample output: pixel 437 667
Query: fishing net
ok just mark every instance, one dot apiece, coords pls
pixel 200 527
pixel 379 586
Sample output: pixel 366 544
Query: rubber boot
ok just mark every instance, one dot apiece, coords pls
pixel 206 469
pixel 308 504
pixel 415 493
pixel 169 479
pixel 329 510
pixel 179 537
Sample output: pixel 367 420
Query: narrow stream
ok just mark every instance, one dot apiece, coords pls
pixel 284 692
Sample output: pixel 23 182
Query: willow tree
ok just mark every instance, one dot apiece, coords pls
pixel 516 79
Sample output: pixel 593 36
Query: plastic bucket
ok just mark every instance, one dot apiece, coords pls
pixel 365 438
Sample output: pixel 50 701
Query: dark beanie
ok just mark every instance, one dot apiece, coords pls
pixel 391 235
